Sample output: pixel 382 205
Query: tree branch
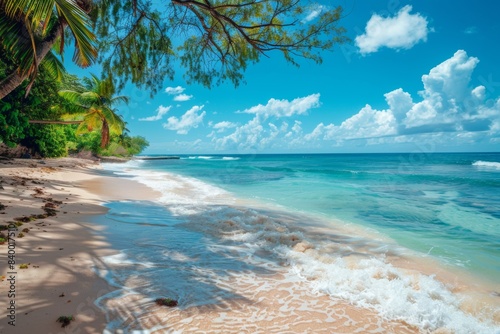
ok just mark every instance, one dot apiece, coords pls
pixel 33 121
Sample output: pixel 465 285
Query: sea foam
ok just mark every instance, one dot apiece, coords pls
pixel 346 268
pixel 210 157
pixel 487 164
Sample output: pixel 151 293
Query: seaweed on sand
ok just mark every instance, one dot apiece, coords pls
pixel 65 320
pixel 166 302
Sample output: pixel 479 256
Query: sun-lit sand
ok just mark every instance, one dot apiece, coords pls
pixel 59 250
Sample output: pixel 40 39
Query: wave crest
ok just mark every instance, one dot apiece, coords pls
pixel 487 164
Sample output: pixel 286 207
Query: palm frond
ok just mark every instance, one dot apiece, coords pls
pixel 79 116
pixel 82 129
pixel 17 42
pixel 70 96
pixel 37 10
pixel 92 95
pixel 91 122
pixel 97 100
pixel 80 25
pixel 115 121
pixel 119 99
pixel 53 66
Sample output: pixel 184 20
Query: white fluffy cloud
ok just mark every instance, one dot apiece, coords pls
pixel 191 119
pixel 285 108
pixel 244 138
pixel 402 31
pixel 449 104
pixel 367 123
pixel 160 112
pixel 258 133
pixel 446 96
pixel 174 90
pixel 448 110
pixel 182 97
pixel 178 92
pixel 223 126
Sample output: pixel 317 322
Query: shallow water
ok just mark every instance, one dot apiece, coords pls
pixel 326 231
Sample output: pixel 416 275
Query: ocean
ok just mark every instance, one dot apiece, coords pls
pixel 412 241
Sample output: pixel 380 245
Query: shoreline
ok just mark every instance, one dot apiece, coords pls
pixel 54 200
pixel 62 251
pixel 185 193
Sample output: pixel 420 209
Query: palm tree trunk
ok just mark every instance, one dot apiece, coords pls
pixel 104 134
pixel 11 82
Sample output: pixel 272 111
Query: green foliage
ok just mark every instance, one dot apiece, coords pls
pixel 121 146
pixel 137 145
pixel 144 42
pixel 49 140
pixel 214 40
pixel 87 142
pixel 93 105
pixel 31 27
pixel 16 109
pixel 12 124
pixel 125 146
pixel 12 121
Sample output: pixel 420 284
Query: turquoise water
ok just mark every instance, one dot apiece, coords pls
pixel 445 205
pixel 225 224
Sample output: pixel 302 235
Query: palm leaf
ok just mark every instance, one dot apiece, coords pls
pixel 119 99
pixel 80 25
pixel 37 10
pixel 91 121
pixel 70 95
pixel 25 25
pixel 115 121
pixel 17 42
pixel 77 116
pixel 95 106
pixel 53 66
pixel 91 97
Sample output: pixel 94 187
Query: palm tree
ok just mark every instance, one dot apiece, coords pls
pixel 30 29
pixel 94 107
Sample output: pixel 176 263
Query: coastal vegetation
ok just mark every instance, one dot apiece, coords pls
pixel 134 42
pixel 92 105
pixel 65 117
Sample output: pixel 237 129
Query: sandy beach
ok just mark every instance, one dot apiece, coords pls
pixel 46 204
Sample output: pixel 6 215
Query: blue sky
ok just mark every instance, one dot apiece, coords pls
pixel 418 76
